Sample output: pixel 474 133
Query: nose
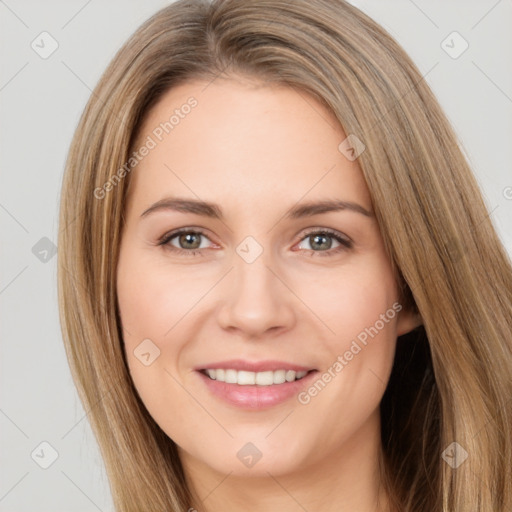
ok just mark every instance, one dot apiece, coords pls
pixel 257 301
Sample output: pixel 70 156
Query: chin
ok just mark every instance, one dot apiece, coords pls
pixel 247 459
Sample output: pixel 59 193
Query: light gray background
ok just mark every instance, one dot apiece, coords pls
pixel 40 103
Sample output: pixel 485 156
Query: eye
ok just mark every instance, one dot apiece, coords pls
pixel 188 241
pixel 322 239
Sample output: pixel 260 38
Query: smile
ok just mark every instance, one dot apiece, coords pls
pixel 255 391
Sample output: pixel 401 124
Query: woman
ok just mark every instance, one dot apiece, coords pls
pixel 337 334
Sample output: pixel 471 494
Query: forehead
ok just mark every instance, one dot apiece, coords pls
pixel 237 141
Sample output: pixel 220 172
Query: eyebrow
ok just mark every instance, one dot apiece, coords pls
pixel 212 210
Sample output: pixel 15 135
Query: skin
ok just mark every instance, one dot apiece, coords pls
pixel 257 150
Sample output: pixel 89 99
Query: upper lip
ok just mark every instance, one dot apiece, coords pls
pixel 254 366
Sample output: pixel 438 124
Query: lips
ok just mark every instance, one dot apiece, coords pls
pixel 254 385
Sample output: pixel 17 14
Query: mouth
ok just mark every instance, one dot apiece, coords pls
pixel 255 386
pixel 248 378
pixel 273 384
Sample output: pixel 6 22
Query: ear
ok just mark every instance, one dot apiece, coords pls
pixel 407 321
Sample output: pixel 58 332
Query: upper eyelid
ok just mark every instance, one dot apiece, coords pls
pixel 329 231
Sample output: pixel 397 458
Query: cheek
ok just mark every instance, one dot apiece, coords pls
pixel 153 298
pixel 153 302
pixel 361 309
pixel 153 305
pixel 158 305
pixel 359 306
pixel 352 298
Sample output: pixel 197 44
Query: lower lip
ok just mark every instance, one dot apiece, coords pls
pixel 256 397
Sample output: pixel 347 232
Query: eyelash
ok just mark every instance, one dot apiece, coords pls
pixel 345 243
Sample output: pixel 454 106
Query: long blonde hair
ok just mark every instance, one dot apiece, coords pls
pixel 452 379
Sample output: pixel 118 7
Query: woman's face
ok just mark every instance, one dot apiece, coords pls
pixel 262 284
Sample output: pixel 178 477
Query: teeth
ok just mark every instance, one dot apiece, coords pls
pixel 244 378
